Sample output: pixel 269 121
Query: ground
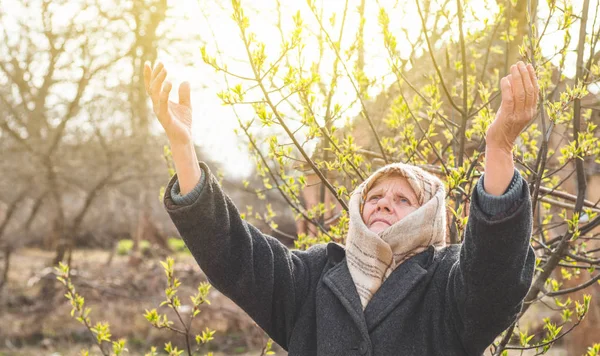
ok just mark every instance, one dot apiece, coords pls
pixel 35 316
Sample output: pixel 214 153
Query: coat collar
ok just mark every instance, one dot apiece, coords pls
pixel 340 282
pixel 335 252
pixel 395 289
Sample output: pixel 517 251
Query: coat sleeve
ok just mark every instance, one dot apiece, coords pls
pixel 254 270
pixel 495 267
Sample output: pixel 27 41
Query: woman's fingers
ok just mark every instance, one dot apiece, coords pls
pixel 508 103
pixel 157 68
pixel 164 100
pixel 153 80
pixel 529 91
pixel 518 89
pixel 158 82
pixel 154 88
pixel 184 94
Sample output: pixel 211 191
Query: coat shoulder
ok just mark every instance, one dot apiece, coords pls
pixel 444 259
pixel 315 257
pixel 447 254
pixel 314 251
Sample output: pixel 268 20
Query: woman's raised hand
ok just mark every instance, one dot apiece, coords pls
pixel 519 105
pixel 175 118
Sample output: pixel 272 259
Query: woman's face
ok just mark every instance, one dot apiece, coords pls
pixel 388 201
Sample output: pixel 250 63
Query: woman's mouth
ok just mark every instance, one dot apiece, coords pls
pixel 380 220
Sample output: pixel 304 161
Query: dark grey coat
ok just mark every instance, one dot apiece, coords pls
pixel 452 301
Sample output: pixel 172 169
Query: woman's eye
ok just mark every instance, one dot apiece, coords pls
pixel 374 197
pixel 403 200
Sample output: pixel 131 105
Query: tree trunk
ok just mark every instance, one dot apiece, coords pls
pixel 7 253
pixel 519 13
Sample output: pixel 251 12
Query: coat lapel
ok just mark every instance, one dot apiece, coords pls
pixel 340 282
pixel 397 287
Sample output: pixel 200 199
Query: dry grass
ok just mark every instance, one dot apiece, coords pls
pixel 35 319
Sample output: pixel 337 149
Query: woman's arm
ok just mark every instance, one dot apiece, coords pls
pixel 186 166
pixel 176 120
pixel 254 270
pixel 495 267
pixel 519 104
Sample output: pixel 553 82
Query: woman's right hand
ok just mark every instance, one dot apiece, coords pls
pixel 175 118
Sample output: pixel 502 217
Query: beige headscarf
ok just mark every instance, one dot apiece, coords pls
pixel 372 257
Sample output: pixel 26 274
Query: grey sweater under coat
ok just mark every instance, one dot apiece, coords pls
pixel 449 301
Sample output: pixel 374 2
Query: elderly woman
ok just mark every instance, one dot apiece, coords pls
pixel 395 289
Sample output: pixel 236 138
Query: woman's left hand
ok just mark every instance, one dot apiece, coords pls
pixel 519 104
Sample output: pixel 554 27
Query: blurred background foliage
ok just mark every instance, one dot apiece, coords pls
pixel 294 105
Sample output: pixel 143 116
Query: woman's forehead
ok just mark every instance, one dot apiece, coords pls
pixel 391 182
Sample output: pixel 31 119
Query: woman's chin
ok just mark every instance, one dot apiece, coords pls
pixel 378 227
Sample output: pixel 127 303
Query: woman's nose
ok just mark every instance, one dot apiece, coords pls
pixel 384 204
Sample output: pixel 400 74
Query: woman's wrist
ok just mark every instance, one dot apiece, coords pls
pixel 186 166
pixel 499 170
